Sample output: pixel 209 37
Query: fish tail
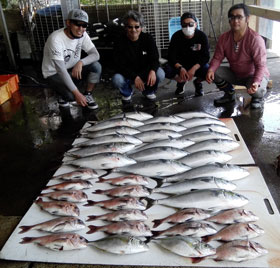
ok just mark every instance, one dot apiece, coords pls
pixel 39 200
pixel 25 229
pixel 26 240
pixel 157 223
pixel 93 229
pixel 99 191
pixel 90 203
pixel 197 260
pixel 207 238
pixel 150 202
pixel 159 181
pixel 92 218
pixel 156 233
pixel 100 180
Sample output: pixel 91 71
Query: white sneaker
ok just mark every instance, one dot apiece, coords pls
pixel 128 98
pixel 151 96
pixel 91 102
pixel 62 102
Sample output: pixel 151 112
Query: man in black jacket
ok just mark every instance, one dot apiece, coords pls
pixel 136 60
pixel 188 55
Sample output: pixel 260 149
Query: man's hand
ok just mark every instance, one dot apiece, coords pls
pixel 184 76
pixel 77 70
pixel 151 78
pixel 210 76
pixel 253 88
pixel 80 98
pixel 139 84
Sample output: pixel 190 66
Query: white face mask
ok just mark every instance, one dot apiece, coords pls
pixel 188 31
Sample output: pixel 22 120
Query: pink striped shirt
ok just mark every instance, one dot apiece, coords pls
pixel 248 61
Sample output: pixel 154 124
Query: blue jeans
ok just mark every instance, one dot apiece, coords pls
pixel 91 71
pixel 124 85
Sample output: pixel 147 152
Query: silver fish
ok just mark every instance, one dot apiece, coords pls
pixel 186 246
pixel 188 214
pixel 196 184
pixel 58 242
pixel 59 208
pixel 129 179
pixel 158 153
pixel 82 174
pixel 209 127
pixel 222 145
pixel 109 139
pixel 110 131
pixel 209 199
pixel 165 119
pixel 70 185
pixel 116 147
pixel 192 228
pixel 199 121
pixel 137 115
pixel 162 125
pixel 193 114
pixel 155 135
pixel 236 231
pixel 57 225
pixel 205 157
pixel 116 122
pixel 222 171
pixel 69 195
pixel 239 250
pixel 233 216
pixel 103 161
pixel 206 135
pixel 127 190
pixel 121 244
pixel 134 228
pixel 121 215
pixel 155 168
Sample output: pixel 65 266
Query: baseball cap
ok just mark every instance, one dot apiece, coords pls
pixel 78 14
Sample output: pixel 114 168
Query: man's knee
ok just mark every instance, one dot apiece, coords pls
pixel 118 80
pixel 160 74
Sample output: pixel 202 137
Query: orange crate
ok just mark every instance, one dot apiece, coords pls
pixel 5 93
pixel 12 80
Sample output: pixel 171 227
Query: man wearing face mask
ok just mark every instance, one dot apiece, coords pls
pixel 188 55
pixel 62 64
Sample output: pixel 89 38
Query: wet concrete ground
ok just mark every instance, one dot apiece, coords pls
pixel 34 135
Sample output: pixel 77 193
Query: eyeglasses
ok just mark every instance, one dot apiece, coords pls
pixel 78 24
pixel 136 27
pixel 190 24
pixel 237 17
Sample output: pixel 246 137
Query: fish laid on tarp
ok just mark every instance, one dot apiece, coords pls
pixel 199 121
pixel 58 225
pixel 186 246
pixel 137 115
pixel 68 195
pixel 103 161
pixel 109 131
pixel 162 125
pixel 208 127
pixel 223 145
pixel 236 231
pixel 206 135
pixel 165 119
pixel 58 242
pixel 119 203
pixel 192 228
pixel 134 228
pixel 237 251
pixel 158 153
pixel 109 139
pixel 156 135
pixel 205 157
pixel 209 199
pixel 121 244
pixel 223 171
pixel 121 215
pixel 82 174
pixel 195 184
pixel 70 185
pixel 233 216
pixel 155 168
pixel 116 122
pixel 129 179
pixel 188 214
pixel 60 208
pixel 193 114
pixel 126 190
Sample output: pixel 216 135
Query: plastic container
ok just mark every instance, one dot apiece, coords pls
pixel 5 93
pixel 12 80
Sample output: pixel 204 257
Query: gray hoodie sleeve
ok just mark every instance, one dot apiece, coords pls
pixel 92 56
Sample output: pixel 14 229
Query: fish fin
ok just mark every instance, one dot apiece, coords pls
pixel 91 218
pixel 108 171
pixel 39 200
pixel 157 223
pixel 150 202
pixel 25 229
pixel 90 203
pixel 206 239
pixel 101 180
pixel 98 191
pixel 156 233
pixel 197 260
pixel 93 229
pixel 158 181
pixel 26 240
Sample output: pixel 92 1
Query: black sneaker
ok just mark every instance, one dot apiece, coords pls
pixel 90 101
pixel 198 88
pixel 227 98
pixel 256 103
pixel 62 102
pixel 180 90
